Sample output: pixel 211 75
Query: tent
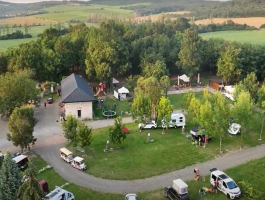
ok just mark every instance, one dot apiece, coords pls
pixel 114 81
pixel 184 78
pixel 125 130
pixel 122 92
pixel 195 130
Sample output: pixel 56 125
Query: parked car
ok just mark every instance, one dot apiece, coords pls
pixel 148 125
pixel 225 184
pixel 178 190
pixel 131 197
pixel 50 100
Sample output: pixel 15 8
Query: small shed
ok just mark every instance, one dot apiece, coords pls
pixel 122 92
pixel 216 84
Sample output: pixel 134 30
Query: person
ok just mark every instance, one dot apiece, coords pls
pixel 196 174
pixel 45 104
pixel 119 97
pixel 61 118
pixel 215 186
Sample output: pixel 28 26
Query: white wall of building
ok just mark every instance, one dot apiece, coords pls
pixel 85 107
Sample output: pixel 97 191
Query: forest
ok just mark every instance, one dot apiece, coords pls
pixel 127 48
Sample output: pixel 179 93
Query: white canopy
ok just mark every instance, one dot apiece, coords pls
pixel 184 78
pixel 123 90
pixel 114 81
pixel 230 89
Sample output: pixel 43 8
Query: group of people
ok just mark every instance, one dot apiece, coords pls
pixel 197 177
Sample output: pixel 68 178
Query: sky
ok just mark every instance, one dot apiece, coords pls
pixel 31 1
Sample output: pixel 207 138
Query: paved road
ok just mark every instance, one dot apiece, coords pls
pixel 50 139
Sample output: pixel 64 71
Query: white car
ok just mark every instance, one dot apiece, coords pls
pixel 225 184
pixel 148 125
pixel 131 197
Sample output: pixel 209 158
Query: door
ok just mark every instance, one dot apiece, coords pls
pixel 79 113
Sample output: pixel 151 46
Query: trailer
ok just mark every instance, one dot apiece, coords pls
pixel 59 194
pixel 66 155
pixel 178 190
pixel 21 161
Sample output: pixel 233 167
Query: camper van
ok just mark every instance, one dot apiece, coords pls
pixel 59 194
pixel 21 161
pixel 177 120
pixel 66 155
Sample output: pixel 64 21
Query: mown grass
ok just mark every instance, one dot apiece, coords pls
pixel 253 172
pixel 177 100
pixel 253 37
pixel 33 30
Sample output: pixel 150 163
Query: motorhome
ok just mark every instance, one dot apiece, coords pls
pixel 66 155
pixel 21 161
pixel 78 163
pixel 176 120
pixel 59 194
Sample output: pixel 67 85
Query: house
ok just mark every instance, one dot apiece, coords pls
pixel 77 97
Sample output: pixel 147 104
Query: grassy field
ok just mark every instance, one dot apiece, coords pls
pixel 254 37
pixel 33 30
pixel 24 20
pixel 252 172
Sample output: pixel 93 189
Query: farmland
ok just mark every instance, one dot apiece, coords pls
pixel 253 37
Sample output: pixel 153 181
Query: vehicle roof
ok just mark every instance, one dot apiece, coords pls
pixel 131 196
pixel 222 175
pixel 180 183
pixel 66 151
pixel 78 159
pixel 217 172
pixel 151 121
pixel 19 158
pixel 228 180
pixel 177 114
pixel 57 192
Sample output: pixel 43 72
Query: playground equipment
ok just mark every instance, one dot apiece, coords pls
pixel 101 88
pixel 109 112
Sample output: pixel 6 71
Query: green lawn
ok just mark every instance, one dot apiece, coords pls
pixel 177 99
pixel 34 31
pixel 252 172
pixel 254 37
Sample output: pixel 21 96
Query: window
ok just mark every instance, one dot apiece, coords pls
pixel 78 113
pixel 174 120
pixel 224 184
pixel 214 177
pixel 181 119
pixel 231 185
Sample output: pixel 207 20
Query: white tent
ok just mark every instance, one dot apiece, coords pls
pixel 114 81
pixel 123 90
pixel 184 78
pixel 229 92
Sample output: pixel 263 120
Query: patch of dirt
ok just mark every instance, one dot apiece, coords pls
pixel 24 20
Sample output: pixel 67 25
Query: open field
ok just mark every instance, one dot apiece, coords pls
pixel 23 20
pixel 253 172
pixel 254 37
pixel 251 21
pixel 34 31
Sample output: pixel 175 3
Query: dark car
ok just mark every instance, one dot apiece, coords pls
pixel 50 100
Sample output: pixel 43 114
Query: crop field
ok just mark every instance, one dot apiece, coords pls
pixel 253 37
pixel 251 21
pixel 24 20
pixel 34 31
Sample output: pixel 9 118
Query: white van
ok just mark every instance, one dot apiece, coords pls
pixel 59 194
pixel 177 120
pixel 225 184
pixel 66 155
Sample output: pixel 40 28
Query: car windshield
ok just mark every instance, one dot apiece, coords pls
pixel 231 185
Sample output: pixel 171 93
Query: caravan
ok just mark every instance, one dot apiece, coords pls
pixel 177 120
pixel 59 194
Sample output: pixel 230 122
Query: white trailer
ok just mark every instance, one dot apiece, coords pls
pixel 78 163
pixel 59 194
pixel 177 120
pixel 66 155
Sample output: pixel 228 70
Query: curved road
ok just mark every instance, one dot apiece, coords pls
pixel 50 139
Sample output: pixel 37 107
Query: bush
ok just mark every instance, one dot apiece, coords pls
pixel 251 192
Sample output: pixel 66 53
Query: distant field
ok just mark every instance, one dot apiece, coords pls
pixel 251 21
pixel 64 13
pixel 23 20
pixel 34 31
pixel 254 37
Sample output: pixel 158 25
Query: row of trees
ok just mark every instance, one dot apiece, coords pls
pixel 15 187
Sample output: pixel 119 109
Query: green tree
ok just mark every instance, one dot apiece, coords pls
pixel 70 128
pixel 251 85
pixel 84 134
pixel 21 125
pixel 205 117
pixel 165 84
pixel 158 69
pixel 189 55
pixel 242 111
pixel 188 96
pixel 194 110
pixel 16 90
pixel 227 64
pixel 261 96
pixel 164 110
pixel 131 82
pixel 116 133
pixel 10 179
pixel 141 107
pixel 30 188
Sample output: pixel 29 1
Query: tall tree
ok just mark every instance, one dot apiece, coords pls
pixel 164 110
pixel 30 188
pixel 157 69
pixel 70 128
pixel 227 64
pixel 165 84
pixel 194 110
pixel 261 96
pixel 84 134
pixel 10 179
pixel 188 96
pixel 116 132
pixel 16 90
pixel 189 55
pixel 205 117
pixel 21 125
pixel 251 85
pixel 141 107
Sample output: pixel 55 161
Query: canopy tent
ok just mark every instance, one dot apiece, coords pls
pixel 114 81
pixel 184 78
pixel 230 89
pixel 123 90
